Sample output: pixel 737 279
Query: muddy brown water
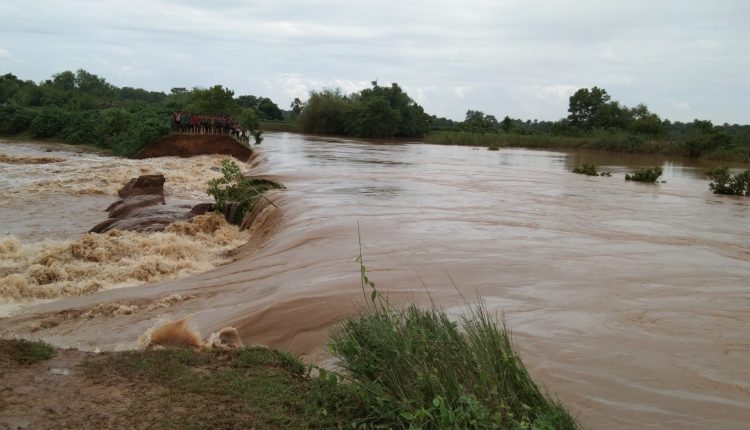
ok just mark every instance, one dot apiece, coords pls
pixel 629 301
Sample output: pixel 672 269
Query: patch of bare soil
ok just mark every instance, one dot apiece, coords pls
pixel 189 145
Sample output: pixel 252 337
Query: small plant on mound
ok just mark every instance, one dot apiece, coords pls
pixel 645 175
pixel 235 188
pixel 493 148
pixel 586 169
pixel 726 183
pixel 30 351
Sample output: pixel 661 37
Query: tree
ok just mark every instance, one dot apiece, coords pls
pixel 478 121
pixel 248 119
pixel 296 106
pixel 216 100
pixel 646 122
pixel 507 124
pixel 584 106
pixel 267 109
pixel 248 101
pixel 326 112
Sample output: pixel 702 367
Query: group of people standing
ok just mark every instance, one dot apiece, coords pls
pixel 186 122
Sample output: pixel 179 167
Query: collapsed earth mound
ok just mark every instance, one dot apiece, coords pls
pixel 142 208
pixel 188 145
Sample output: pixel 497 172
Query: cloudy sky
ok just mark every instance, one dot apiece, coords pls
pixel 684 59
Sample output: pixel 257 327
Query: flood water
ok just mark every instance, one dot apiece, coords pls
pixel 629 301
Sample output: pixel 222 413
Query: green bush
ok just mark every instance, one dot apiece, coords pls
pixel 48 122
pixel 645 175
pixel 15 119
pixel 82 128
pixel 326 112
pixel 726 183
pixel 419 369
pixel 234 187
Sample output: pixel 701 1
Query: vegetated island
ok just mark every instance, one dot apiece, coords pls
pixel 82 108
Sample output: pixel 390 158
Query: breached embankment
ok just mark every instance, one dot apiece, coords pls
pixel 190 145
pixel 70 265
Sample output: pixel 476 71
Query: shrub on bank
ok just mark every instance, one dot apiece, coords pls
pixel 416 368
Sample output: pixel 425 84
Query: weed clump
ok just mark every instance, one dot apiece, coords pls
pixel 586 169
pixel 416 368
pixel 645 175
pixel 589 170
pixel 29 351
pixel 726 183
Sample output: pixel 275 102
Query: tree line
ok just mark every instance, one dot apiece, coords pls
pixel 83 108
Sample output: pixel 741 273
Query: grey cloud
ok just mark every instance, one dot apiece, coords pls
pixel 517 58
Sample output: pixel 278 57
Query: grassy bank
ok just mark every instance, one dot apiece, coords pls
pixel 401 368
pixel 614 142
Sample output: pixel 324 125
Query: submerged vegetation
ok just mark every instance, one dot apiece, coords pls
pixel 645 175
pixel 589 170
pixel 723 182
pixel 233 187
pixel 586 169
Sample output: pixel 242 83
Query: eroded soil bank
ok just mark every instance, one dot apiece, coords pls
pixel 628 300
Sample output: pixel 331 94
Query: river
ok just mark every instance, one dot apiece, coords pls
pixel 630 301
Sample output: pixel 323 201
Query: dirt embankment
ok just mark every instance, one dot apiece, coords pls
pixel 221 388
pixel 188 145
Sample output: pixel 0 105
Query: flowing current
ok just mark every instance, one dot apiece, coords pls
pixel 630 301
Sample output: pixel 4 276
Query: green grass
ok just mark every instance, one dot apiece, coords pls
pixel 27 351
pixel 610 141
pixel 247 388
pixel 400 368
pixel 290 127
pixel 417 368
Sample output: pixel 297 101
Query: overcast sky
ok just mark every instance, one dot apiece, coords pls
pixel 684 59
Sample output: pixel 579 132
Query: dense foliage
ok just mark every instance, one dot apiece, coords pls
pixel 379 112
pixel 460 375
pixel 234 188
pixel 723 182
pixel 82 108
